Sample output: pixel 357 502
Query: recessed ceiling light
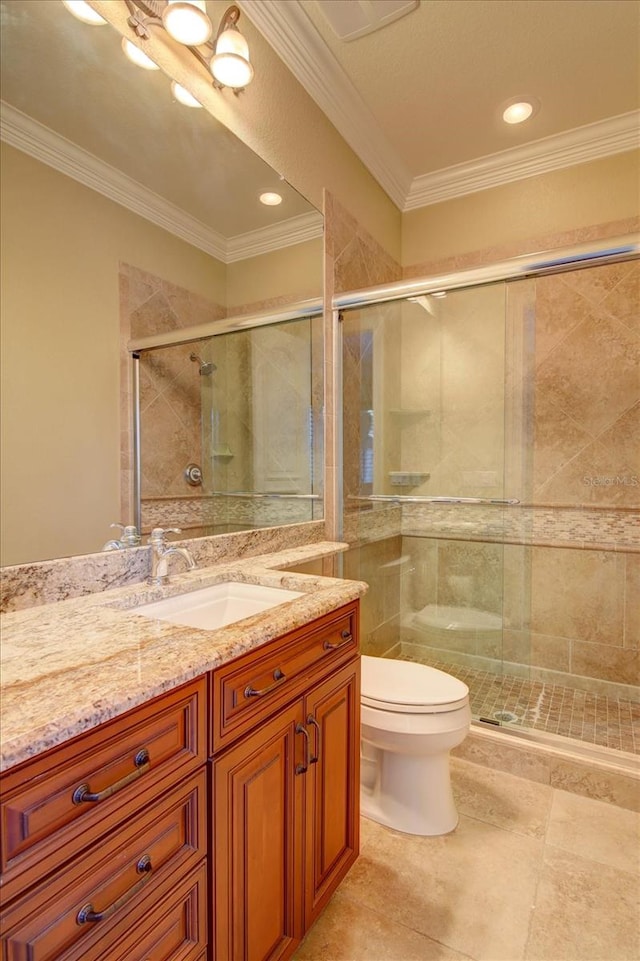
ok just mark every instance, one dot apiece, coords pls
pixel 183 96
pixel 270 199
pixel 518 111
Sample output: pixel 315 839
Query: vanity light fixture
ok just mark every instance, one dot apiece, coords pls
pixel 137 56
pixel 230 62
pixel 84 12
pixel 183 96
pixel 186 21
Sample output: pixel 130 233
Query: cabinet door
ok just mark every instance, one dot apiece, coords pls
pixel 257 841
pixel 332 717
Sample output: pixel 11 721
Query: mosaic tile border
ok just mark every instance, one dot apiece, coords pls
pixel 589 528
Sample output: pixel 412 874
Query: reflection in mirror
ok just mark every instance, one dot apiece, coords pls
pixel 117 201
pixel 206 408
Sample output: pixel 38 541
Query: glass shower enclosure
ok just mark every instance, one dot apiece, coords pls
pixel 491 475
pixel 435 411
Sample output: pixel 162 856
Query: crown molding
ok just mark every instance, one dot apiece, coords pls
pixel 296 230
pixel 43 144
pixel 591 142
pixel 291 33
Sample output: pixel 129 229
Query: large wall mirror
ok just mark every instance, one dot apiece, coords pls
pixel 124 214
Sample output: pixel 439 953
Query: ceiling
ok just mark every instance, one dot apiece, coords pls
pixel 420 100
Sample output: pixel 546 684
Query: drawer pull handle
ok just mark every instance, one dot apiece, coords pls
pixel 87 913
pixel 302 768
pixel 346 636
pixel 311 720
pixel 278 677
pixel 141 762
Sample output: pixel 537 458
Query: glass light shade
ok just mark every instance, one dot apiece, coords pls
pixel 230 65
pixel 183 96
pixel 135 55
pixel 518 112
pixel 187 21
pixel 84 12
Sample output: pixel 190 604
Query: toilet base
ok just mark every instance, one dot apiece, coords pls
pixel 408 793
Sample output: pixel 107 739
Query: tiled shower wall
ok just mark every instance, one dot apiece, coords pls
pixel 585 577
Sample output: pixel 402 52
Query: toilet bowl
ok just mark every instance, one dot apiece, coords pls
pixel 412 715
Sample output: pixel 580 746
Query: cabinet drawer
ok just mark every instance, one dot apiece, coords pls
pixel 42 825
pixel 175 930
pixel 247 690
pixel 126 875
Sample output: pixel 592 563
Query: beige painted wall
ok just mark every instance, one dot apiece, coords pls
pixel 577 197
pixel 60 459
pixel 296 270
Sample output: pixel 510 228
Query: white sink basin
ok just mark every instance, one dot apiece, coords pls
pixel 215 606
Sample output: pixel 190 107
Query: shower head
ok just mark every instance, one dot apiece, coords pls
pixel 205 367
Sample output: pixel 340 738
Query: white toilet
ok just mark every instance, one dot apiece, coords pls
pixel 412 715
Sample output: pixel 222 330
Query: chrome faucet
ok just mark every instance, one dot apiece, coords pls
pixel 161 552
pixel 129 538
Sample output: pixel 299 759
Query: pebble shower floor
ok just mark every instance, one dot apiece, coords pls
pixel 539 706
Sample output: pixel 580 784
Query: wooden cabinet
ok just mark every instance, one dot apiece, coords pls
pixel 212 823
pixel 332 799
pixel 285 827
pixel 256 842
pixel 104 840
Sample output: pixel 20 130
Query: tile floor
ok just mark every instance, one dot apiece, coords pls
pixel 531 872
pixel 593 718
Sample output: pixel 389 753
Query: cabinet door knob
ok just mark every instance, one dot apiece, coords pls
pixel 278 677
pixel 87 913
pixel 302 768
pixel 346 638
pixel 141 762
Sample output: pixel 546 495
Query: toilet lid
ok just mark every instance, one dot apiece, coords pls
pixel 402 685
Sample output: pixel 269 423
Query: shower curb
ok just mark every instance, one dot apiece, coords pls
pixel 592 772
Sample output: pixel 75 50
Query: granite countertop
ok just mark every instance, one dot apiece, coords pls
pixel 69 666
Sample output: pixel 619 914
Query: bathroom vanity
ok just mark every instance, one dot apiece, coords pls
pixel 213 819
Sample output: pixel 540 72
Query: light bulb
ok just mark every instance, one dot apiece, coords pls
pixel 230 65
pixel 135 55
pixel 187 21
pixel 84 12
pixel 183 96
